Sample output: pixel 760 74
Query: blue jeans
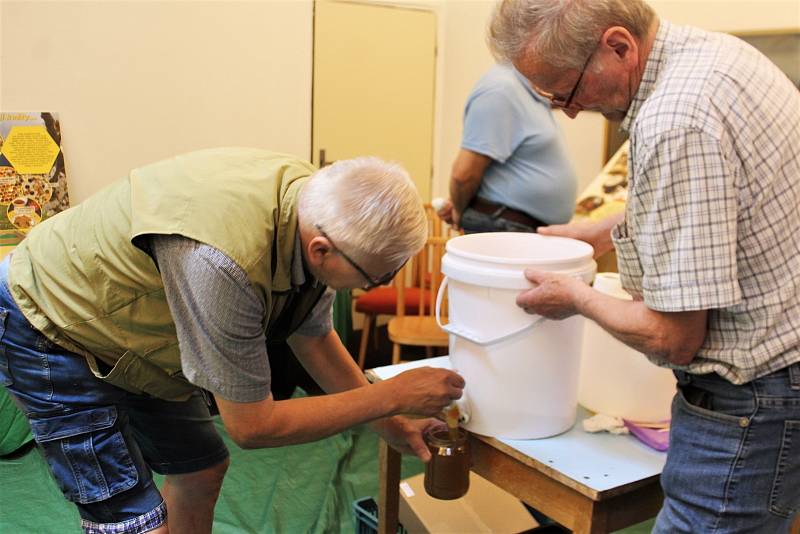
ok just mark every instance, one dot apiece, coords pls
pixel 473 222
pixel 734 455
pixel 100 441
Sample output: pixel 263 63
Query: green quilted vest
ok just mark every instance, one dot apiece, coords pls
pixel 81 280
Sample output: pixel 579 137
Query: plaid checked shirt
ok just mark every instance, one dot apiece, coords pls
pixel 712 220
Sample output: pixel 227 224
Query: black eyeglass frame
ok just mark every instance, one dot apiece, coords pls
pixel 371 282
pixel 565 104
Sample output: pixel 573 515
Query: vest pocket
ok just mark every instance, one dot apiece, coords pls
pixel 87 454
pixel 138 375
pixel 785 499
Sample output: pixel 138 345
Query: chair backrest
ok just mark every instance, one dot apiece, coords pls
pixel 436 228
pixel 434 222
pixel 426 269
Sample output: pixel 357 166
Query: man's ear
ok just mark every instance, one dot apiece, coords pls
pixel 318 249
pixel 623 44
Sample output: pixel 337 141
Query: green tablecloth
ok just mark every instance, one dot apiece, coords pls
pixel 14 429
pixel 308 488
pixel 343 315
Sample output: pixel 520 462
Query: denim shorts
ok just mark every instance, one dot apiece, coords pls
pixel 734 455
pixel 100 441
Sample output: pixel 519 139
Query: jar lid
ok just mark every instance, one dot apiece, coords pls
pixel 439 436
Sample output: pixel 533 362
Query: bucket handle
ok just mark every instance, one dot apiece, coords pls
pixel 470 336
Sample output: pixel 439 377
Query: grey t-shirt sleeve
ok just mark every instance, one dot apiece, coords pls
pixel 218 318
pixel 320 321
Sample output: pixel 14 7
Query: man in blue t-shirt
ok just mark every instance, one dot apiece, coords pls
pixel 512 172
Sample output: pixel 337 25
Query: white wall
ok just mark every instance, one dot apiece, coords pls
pixel 136 81
pixel 731 15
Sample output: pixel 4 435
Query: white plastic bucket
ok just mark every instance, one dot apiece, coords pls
pixel 521 370
pixel 618 380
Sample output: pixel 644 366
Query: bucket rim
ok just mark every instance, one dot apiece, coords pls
pixel 583 257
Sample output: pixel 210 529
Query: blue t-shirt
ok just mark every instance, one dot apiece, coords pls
pixel 506 120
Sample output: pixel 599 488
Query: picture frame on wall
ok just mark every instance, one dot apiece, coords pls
pixel 33 179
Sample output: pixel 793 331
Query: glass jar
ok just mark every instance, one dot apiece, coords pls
pixel 447 473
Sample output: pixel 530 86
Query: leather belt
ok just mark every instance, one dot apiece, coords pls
pixel 504 212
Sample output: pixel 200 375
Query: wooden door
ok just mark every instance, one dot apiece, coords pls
pixel 374 83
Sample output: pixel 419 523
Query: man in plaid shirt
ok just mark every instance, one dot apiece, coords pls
pixel 709 244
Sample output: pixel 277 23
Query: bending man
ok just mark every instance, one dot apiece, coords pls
pixel 119 315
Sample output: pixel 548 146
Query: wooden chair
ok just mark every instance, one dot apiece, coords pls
pixel 420 328
pixel 383 300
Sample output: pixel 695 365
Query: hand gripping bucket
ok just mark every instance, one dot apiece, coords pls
pixel 521 370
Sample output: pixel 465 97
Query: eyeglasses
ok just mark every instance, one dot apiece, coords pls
pixel 371 282
pixel 565 103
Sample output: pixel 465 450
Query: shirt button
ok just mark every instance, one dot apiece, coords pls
pixel 744 422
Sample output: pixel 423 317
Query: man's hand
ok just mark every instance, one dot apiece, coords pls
pixel 455 216
pixel 426 390
pixel 405 435
pixel 554 295
pixel 597 234
pixel 671 336
pixel 447 212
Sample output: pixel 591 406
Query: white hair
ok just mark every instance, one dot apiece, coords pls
pixel 561 33
pixel 369 207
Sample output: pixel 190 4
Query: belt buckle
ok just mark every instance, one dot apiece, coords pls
pixel 498 212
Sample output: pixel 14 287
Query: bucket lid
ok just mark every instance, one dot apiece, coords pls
pixel 499 259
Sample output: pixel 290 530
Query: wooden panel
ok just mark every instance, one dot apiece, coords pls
pixel 561 502
pixel 389 488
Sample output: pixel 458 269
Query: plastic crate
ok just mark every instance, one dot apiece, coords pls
pixel 365 511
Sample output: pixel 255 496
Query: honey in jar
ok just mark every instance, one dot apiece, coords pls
pixel 447 473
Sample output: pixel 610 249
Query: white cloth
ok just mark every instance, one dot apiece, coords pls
pixel 605 423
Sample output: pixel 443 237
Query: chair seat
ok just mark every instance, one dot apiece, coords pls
pixel 383 301
pixel 416 330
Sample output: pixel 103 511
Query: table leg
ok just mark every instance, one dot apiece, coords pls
pixel 593 519
pixel 389 488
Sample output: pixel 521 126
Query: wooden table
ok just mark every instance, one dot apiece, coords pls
pixel 589 483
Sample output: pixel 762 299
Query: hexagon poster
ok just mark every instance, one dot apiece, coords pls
pixel 33 180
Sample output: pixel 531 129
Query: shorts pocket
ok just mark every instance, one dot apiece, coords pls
pixel 785 497
pixel 87 454
pixel 5 373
